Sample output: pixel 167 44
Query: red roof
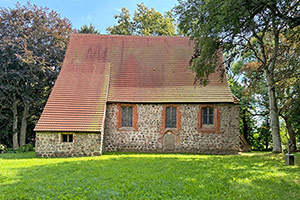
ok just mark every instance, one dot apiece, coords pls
pixel 140 69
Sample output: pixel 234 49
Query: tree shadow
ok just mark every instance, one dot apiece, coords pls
pixel 17 156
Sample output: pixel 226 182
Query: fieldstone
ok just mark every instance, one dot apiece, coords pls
pixel 149 137
pixel 187 139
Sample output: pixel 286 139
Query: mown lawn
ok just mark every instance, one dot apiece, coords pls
pixel 149 176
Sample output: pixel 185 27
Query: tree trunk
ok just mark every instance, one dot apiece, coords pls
pixel 24 124
pixel 15 125
pixel 291 133
pixel 273 112
pixel 267 136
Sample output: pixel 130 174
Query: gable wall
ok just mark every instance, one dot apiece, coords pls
pixel 150 133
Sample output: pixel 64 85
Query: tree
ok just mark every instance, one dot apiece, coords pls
pixel 247 84
pixel 231 25
pixel 289 100
pixel 287 75
pixel 88 29
pixel 144 22
pixel 33 42
pixel 125 25
pixel 238 84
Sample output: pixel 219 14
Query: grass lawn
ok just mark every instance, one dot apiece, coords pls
pixel 149 176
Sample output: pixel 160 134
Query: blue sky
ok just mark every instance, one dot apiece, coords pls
pixel 98 12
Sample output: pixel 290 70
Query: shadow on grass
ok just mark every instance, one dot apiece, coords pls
pixel 14 156
pixel 157 176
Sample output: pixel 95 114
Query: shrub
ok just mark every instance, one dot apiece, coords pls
pixel 25 148
pixel 10 150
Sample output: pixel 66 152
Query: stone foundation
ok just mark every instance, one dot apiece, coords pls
pixel 49 144
pixel 150 137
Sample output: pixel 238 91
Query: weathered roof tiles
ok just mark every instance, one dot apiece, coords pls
pixel 103 68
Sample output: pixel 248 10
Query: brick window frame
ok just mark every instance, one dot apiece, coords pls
pixel 134 117
pixel 209 128
pixel 178 117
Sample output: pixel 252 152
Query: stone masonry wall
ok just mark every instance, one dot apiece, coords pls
pixel 187 139
pixel 49 144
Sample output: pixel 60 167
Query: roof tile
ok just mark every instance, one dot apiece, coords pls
pixel 136 69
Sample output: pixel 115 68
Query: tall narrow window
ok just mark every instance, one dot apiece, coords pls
pixel 208 116
pixel 126 116
pixel 171 117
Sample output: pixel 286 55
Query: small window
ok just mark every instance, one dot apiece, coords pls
pixel 126 116
pixel 208 116
pixel 171 117
pixel 67 137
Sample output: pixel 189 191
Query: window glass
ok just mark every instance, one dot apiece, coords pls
pixel 208 115
pixel 211 116
pixel 204 115
pixel 171 117
pixel 126 116
pixel 67 137
pixel 71 138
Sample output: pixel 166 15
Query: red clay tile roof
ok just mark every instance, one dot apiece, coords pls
pixel 142 70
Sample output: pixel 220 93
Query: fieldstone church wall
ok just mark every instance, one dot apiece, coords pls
pixel 150 137
pixel 149 134
pixel 49 144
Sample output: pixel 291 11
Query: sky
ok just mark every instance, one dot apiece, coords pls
pixel 98 12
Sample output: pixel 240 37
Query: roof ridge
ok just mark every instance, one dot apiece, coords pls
pixel 130 36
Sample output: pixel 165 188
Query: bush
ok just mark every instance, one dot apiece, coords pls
pixel 10 150
pixel 25 148
pixel 22 149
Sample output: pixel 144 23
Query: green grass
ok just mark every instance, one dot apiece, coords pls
pixel 149 176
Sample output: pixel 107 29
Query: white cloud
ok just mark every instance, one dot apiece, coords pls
pixel 117 9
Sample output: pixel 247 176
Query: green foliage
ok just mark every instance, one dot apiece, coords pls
pixel 5 128
pixel 22 149
pixel 25 148
pixel 254 103
pixel 287 84
pixel 253 29
pixel 149 176
pixel 238 28
pixel 284 136
pixel 206 56
pixel 33 41
pixel 144 22
pixel 261 139
pixel 88 29
pixel 10 150
pixel 125 25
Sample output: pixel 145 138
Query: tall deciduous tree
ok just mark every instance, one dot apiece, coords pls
pixel 144 22
pixel 286 76
pixel 33 42
pixel 230 25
